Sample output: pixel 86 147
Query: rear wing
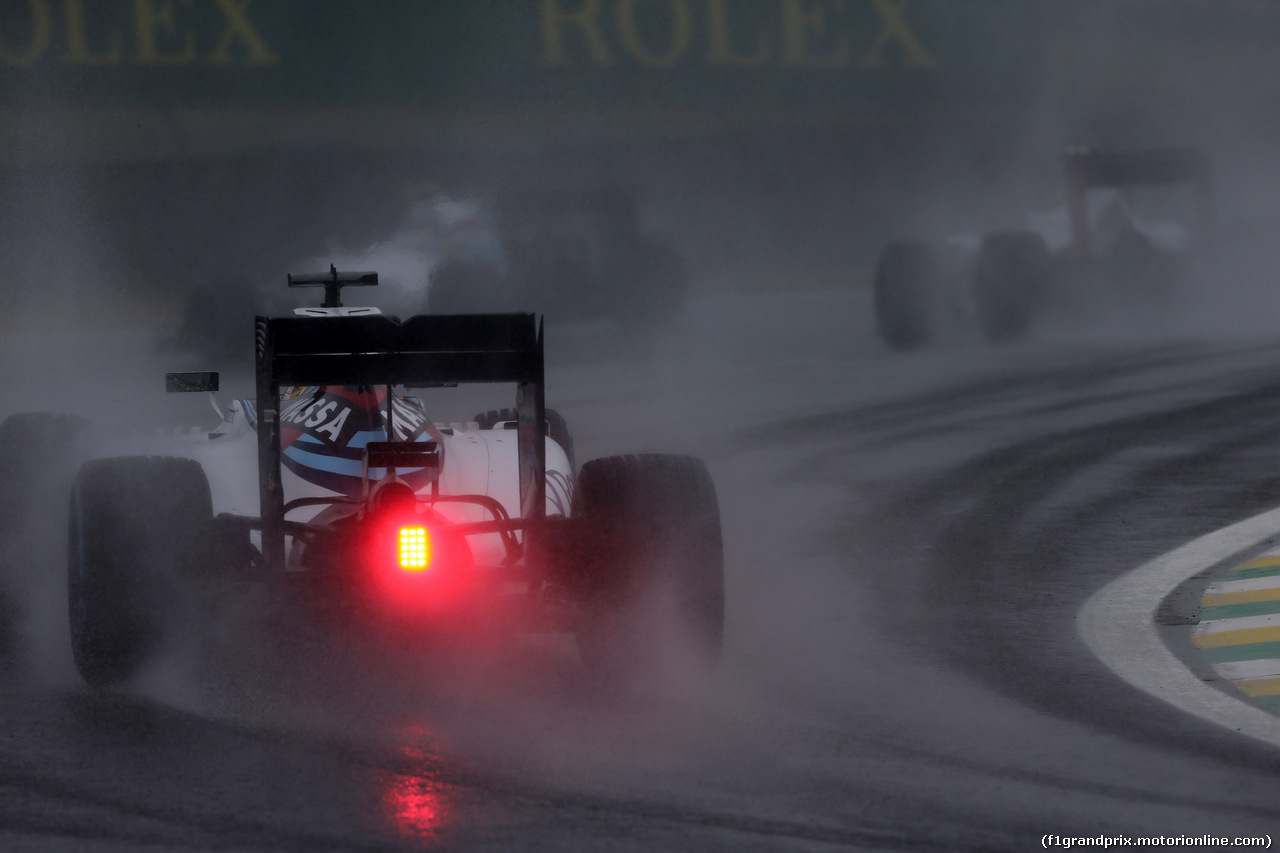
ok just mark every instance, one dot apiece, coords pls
pixel 380 350
pixel 1088 169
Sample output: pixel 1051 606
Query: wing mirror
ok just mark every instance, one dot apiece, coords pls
pixel 206 380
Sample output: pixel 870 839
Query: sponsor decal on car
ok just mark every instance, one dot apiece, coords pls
pixel 324 431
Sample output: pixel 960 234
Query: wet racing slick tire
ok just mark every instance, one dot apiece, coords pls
pixel 905 284
pixel 1011 274
pixel 557 427
pixel 651 573
pixel 138 540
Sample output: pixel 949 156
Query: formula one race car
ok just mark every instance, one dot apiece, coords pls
pixel 371 516
pixel 578 253
pixel 1096 250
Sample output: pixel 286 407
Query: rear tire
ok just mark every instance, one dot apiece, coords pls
pixel 651 565
pixel 557 427
pixel 905 285
pixel 138 543
pixel 1011 274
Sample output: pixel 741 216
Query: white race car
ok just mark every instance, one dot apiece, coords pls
pixel 338 495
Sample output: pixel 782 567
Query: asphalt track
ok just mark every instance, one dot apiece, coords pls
pixel 910 541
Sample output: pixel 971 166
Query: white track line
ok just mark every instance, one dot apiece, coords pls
pixel 1246 669
pixel 1118 624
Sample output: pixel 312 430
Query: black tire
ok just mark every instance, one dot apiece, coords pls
pixel 37 450
pixel 905 286
pixel 557 428
pixel 138 543
pixel 650 533
pixel 459 287
pixel 1011 275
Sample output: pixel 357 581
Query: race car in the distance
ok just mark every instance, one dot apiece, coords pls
pixel 1131 227
pixel 574 253
pixel 334 494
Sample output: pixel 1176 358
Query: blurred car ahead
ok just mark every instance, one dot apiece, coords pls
pixel 1133 227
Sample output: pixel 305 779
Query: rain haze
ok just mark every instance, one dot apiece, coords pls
pixel 967 307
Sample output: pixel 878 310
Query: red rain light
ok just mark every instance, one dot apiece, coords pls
pixel 415 549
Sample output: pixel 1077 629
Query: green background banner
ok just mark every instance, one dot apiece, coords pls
pixel 860 57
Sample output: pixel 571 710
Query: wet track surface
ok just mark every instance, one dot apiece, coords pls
pixel 908 540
